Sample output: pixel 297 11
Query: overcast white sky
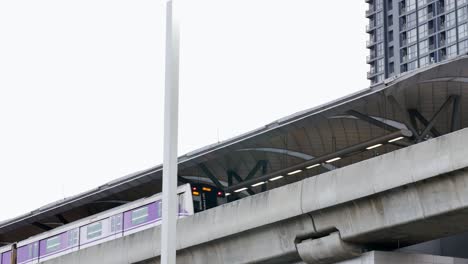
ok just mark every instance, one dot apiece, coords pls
pixel 81 82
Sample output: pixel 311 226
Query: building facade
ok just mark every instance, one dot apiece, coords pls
pixel 409 34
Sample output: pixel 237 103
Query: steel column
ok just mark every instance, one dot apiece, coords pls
pixel 455 125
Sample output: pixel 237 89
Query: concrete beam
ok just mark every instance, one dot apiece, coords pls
pixel 384 201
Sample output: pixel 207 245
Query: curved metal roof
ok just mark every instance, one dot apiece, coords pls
pixel 409 102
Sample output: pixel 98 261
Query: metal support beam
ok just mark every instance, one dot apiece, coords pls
pixel 239 180
pixel 340 153
pixel 255 170
pixel 455 124
pixel 210 175
pixel 42 226
pixel 405 114
pixel 264 172
pixel 416 114
pixel 372 121
pixel 434 118
pixel 62 219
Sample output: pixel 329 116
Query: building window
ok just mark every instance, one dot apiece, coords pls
pixel 412 52
pixel 391 52
pixel 422 15
pixel 391 68
pixel 423 31
pixel 449 4
pixel 410 5
pixel 462 31
pixel 412 36
pixel 411 20
pixel 463 46
pixel 461 2
pixel 378 4
pixel 423 61
pixel 380 50
pixel 451 35
pixel 422 2
pixel 412 65
pixel 390 36
pixel 424 47
pixel 462 14
pixel 379 33
pixel 380 65
pixel 452 51
pixel 379 19
pixel 450 20
pixel 390 20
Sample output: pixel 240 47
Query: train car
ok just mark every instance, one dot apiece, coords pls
pixel 206 196
pixel 117 222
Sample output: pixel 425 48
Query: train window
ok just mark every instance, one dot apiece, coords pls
pixel 33 250
pixel 181 204
pixel 116 223
pixel 73 237
pixel 53 244
pixel 159 205
pixel 94 230
pixel 140 215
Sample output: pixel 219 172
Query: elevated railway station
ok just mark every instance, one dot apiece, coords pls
pixel 414 108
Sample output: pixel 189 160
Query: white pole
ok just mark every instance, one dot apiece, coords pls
pixel 171 109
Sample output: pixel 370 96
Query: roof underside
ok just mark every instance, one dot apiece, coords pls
pixel 287 142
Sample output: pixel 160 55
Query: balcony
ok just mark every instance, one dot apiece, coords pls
pixel 442 42
pixel 403 26
pixel 370 42
pixel 432 46
pixel 441 9
pixel 370 58
pixel 371 73
pixel 370 27
pixel 370 11
pixel 404 42
pixel 404 58
pixel 442 26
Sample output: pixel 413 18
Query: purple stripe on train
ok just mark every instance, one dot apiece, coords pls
pixel 6 257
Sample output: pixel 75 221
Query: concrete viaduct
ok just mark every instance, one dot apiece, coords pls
pixel 382 203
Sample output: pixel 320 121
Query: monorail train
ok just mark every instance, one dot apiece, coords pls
pixel 114 223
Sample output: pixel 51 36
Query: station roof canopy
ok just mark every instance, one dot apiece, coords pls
pixel 417 106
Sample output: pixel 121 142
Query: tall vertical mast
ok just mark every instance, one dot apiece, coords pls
pixel 171 109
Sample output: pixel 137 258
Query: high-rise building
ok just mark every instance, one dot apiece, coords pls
pixel 410 34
